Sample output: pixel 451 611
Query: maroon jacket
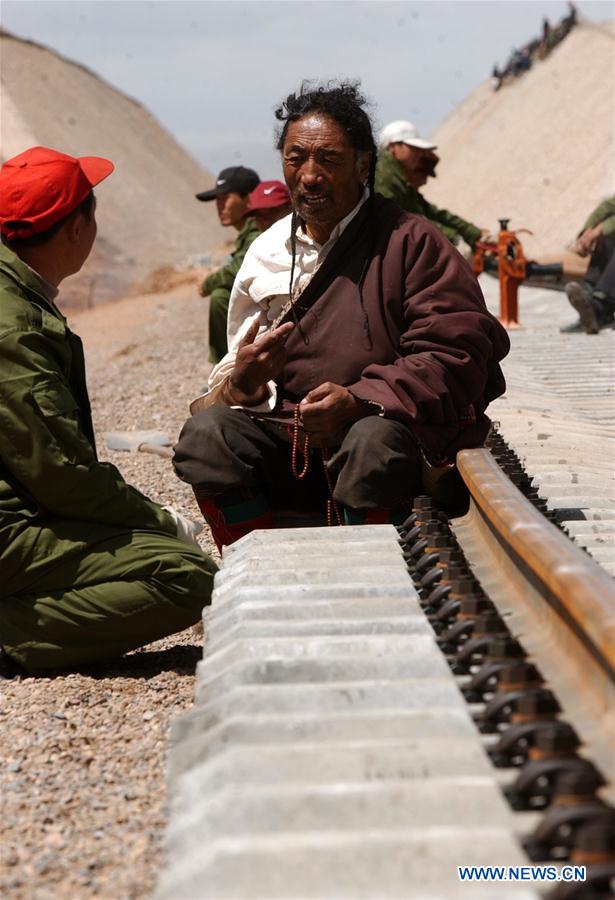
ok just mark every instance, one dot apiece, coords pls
pixel 395 315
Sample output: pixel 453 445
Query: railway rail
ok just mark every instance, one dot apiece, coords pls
pixel 376 708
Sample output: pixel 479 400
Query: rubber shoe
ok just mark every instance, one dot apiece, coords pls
pixel 587 309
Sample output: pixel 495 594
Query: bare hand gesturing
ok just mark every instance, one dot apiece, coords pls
pixel 258 361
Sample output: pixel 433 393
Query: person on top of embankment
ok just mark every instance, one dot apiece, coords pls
pixel 269 202
pixel 594 298
pixel 90 568
pixel 231 195
pixel 352 321
pixel 405 163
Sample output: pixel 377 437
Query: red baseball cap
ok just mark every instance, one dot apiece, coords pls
pixel 268 195
pixel 40 186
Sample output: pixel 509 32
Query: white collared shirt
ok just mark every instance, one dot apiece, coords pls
pixel 262 285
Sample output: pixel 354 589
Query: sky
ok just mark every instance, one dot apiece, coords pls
pixel 213 72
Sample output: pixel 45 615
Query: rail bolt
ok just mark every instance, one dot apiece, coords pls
pixel 452 556
pixel 473 605
pixel 422 503
pixel 572 786
pixel 554 836
pixel 560 739
pixel 515 742
pixel 432 526
pixel 535 784
pixel 537 703
pixel 594 843
pixel 439 541
pixel 489 623
pixel 462 587
pixel 519 674
pixel 504 646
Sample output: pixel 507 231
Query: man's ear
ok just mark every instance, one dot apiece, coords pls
pixel 362 165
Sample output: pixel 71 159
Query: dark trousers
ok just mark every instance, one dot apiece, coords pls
pixel 224 450
pixel 601 271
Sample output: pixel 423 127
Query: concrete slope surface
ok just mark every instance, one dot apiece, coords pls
pixel 147 213
pixel 541 150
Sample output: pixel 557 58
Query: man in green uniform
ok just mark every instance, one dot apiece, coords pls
pixel 405 162
pixel 89 567
pixel 594 298
pixel 231 195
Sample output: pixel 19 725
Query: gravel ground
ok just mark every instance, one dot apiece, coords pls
pixel 83 754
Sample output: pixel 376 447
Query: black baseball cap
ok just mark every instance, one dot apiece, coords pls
pixel 236 180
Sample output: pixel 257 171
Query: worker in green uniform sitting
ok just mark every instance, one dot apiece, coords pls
pixel 89 567
pixel 231 195
pixel 405 162
pixel 594 297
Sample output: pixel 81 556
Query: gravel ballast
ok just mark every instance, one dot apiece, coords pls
pixel 83 753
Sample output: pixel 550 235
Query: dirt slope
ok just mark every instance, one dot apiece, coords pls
pixel 541 150
pixel 147 213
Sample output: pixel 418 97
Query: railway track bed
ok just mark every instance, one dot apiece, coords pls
pixel 375 709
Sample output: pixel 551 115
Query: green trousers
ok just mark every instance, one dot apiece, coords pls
pixel 218 315
pixel 101 595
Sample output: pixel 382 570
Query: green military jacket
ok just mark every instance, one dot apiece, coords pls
pixel 391 182
pixel 604 213
pixel 224 277
pixel 49 470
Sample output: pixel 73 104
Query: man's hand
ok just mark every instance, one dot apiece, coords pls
pixel 258 361
pixel 587 241
pixel 202 292
pixel 328 410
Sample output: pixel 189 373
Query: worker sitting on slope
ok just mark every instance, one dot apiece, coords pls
pixel 594 298
pixel 231 195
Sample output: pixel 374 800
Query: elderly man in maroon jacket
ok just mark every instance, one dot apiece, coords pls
pixel 361 353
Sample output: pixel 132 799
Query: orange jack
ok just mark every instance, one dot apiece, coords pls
pixel 512 269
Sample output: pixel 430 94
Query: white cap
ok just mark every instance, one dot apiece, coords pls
pixel 402 132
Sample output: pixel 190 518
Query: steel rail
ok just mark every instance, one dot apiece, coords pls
pixel 556 599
